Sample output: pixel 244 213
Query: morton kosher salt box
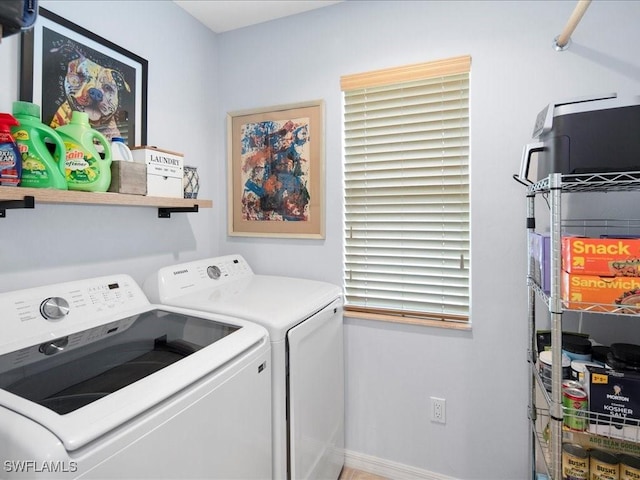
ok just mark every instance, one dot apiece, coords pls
pixel 601 256
pixel 165 170
pixel 614 402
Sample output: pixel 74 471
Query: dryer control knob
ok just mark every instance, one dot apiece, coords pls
pixel 54 308
pixel 214 272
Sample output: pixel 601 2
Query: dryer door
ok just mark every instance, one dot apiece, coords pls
pixel 316 395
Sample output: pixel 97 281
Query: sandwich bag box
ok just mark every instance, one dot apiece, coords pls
pixel 614 402
pixel 165 170
pixel 610 293
pixel 601 256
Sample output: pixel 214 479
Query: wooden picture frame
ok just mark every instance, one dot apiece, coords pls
pixel 65 67
pixel 276 171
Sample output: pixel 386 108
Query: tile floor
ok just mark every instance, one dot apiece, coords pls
pixel 352 474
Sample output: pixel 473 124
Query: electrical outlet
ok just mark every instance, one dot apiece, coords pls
pixel 438 410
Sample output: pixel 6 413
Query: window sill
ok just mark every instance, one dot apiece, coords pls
pixel 408 320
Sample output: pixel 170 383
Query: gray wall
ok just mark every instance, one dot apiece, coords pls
pixel 393 370
pixel 196 77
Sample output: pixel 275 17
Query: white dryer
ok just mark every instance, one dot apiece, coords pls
pixel 96 382
pixel 304 320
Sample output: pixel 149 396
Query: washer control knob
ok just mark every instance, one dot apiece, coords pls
pixel 54 346
pixel 54 308
pixel 214 272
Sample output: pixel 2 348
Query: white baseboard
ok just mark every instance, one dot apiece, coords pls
pixel 388 469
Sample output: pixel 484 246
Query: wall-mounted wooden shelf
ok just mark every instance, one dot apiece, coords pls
pixel 10 197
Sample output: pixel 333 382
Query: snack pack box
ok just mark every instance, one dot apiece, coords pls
pixel 583 291
pixel 601 256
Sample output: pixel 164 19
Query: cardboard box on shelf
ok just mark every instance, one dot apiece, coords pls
pixel 601 256
pixel 614 402
pixel 128 177
pixel 165 170
pixel 588 439
pixel 610 293
pixel 540 251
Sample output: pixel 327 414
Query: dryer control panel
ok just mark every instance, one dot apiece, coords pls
pixel 49 313
pixel 198 275
pixel 230 267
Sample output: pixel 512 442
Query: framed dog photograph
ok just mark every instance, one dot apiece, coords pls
pixel 66 68
pixel 276 171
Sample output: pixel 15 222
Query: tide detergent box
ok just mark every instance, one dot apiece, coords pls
pixel 584 292
pixel 601 256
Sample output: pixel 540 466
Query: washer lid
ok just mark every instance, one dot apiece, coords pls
pixel 107 369
pixel 277 303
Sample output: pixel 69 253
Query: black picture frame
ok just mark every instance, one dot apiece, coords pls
pixel 59 59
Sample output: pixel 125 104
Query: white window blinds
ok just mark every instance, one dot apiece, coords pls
pixel 407 190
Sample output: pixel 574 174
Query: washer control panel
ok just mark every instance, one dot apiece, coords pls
pixel 50 313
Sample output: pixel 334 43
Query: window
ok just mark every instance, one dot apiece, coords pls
pixel 407 191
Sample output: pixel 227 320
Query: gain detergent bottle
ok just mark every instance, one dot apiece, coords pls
pixel 39 169
pixel 84 168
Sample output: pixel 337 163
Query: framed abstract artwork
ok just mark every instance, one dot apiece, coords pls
pixel 67 68
pixel 276 171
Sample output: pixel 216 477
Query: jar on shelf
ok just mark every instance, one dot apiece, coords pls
pixel 190 182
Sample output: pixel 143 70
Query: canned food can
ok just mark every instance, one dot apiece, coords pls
pixel 603 465
pixel 572 384
pixel 575 462
pixel 579 368
pixel 629 467
pixel 574 401
pixel 545 368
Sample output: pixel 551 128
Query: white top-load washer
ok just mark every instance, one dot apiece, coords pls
pixel 96 382
pixel 304 320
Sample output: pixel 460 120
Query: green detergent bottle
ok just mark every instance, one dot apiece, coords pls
pixel 85 169
pixel 39 168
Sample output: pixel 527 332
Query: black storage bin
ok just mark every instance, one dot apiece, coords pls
pixel 585 136
pixel 17 15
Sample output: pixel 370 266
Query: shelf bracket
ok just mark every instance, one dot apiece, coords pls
pixel 165 212
pixel 27 202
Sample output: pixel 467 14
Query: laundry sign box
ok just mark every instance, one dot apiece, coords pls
pixel 164 171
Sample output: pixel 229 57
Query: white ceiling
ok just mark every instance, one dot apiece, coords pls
pixel 222 15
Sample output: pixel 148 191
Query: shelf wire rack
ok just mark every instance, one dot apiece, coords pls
pixel 591 182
